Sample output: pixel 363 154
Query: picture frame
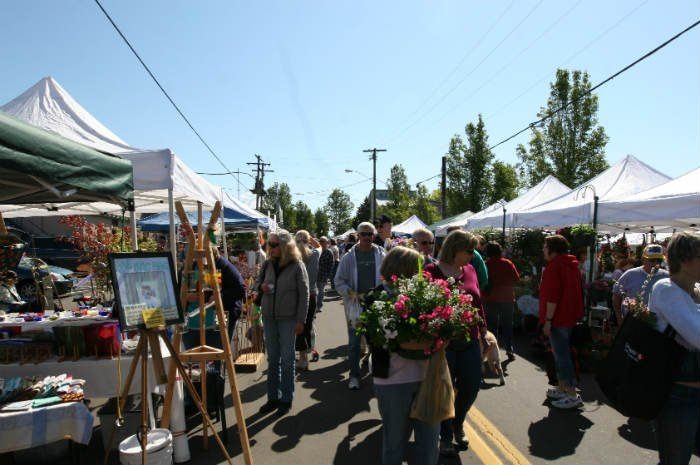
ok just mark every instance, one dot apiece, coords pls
pixel 145 281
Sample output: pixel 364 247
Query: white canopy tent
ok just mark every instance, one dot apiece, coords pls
pixel 457 220
pixel 345 235
pixel 672 205
pixel 160 177
pixel 625 178
pixel 492 216
pixel 407 227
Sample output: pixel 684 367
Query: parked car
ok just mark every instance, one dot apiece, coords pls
pixel 51 249
pixel 26 284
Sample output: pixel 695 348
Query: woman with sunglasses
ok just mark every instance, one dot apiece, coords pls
pixel 285 300
pixel 463 358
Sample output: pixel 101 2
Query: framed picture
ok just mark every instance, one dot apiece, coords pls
pixel 144 284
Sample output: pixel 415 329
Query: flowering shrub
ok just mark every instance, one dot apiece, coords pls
pixel 418 309
pixel 636 305
pixel 401 241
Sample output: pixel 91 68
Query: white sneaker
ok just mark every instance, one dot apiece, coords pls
pixel 354 384
pixel 568 402
pixel 555 393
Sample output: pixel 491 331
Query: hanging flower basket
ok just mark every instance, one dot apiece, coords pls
pixel 583 240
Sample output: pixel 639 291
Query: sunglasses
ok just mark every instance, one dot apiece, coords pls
pixel 426 242
pixel 366 234
pixel 273 245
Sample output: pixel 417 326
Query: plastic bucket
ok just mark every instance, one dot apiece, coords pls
pixel 159 448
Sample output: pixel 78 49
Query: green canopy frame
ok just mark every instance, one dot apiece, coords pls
pixel 38 167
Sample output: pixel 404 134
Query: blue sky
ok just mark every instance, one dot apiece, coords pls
pixel 309 85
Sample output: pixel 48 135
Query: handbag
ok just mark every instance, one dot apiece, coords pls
pixel 637 374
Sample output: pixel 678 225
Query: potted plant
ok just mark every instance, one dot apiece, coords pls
pixel 582 235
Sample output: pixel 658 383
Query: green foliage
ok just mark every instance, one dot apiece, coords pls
pixel 582 230
pixel 469 176
pixel 339 209
pixel 525 247
pixel 490 234
pixel 423 206
pixel 278 199
pixel 304 216
pixel 505 182
pixel 241 241
pixel 571 144
pixel 399 206
pixel 321 222
pixel 364 213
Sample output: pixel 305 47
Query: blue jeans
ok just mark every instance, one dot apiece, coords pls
pixel 465 371
pixel 561 348
pixel 320 294
pixel 677 431
pixel 394 402
pixel 354 353
pixel 501 313
pixel 279 342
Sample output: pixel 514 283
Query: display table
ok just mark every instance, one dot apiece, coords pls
pixel 47 324
pixel 100 374
pixel 36 427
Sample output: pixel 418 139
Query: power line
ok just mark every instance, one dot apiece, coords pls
pixel 464 78
pixel 461 62
pixel 610 78
pixel 571 57
pixel 172 102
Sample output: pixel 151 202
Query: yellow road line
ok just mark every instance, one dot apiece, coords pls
pixel 480 448
pixel 489 430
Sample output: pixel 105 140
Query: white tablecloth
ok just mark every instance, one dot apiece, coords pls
pixel 30 428
pixel 47 324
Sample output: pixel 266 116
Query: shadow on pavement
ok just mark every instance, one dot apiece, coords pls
pixel 347 454
pixel 334 405
pixel 639 432
pixel 558 434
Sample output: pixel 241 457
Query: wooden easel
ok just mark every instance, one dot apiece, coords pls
pixel 200 250
pixel 150 337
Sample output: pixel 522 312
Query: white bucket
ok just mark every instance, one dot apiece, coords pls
pixel 159 448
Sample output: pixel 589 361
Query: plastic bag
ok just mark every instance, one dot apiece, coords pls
pixel 353 310
pixel 435 400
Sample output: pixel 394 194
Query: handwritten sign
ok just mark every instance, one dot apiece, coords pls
pixel 153 318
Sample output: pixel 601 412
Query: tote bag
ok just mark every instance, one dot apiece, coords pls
pixel 636 376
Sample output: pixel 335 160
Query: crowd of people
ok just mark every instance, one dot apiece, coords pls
pixel 292 281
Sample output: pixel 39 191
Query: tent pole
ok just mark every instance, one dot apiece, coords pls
pixel 134 238
pixel 591 265
pixel 223 223
pixel 171 231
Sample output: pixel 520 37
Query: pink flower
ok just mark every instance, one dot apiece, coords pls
pixel 427 275
pixel 394 278
pixel 399 306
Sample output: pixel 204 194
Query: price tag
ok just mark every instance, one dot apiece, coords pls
pixel 153 318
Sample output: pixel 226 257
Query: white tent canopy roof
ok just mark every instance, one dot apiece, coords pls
pixel 345 235
pixel 408 226
pixel 492 216
pixel 49 106
pixel 674 204
pixel 625 178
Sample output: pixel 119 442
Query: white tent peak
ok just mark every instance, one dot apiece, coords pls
pixel 49 106
pixel 408 226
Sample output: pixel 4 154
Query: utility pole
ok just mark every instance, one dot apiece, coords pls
pixel 373 157
pixel 443 193
pixel 259 189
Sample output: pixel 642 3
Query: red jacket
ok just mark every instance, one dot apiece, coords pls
pixel 561 283
pixel 502 277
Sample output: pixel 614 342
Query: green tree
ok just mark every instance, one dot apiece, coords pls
pixel 423 206
pixel 339 209
pixel 278 199
pixel 364 213
pixel 571 144
pixel 321 222
pixel 505 182
pixel 399 205
pixel 469 170
pixel 304 216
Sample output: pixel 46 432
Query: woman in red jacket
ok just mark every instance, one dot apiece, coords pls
pixel 561 306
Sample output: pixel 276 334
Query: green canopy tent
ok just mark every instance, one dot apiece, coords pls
pixel 37 167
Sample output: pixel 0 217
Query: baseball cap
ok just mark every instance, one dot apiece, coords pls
pixel 653 252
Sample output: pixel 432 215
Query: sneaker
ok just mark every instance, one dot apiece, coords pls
pixel 284 408
pixel 314 356
pixel 555 394
pixel 461 440
pixel 447 449
pixel 354 384
pixel 269 406
pixel 568 402
pixel 302 366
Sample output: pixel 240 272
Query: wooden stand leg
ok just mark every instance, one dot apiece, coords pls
pixel 197 400
pixel 144 400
